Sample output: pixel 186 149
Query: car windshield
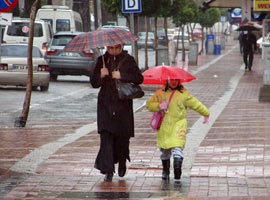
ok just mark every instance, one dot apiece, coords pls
pixel 62 40
pixel 19 51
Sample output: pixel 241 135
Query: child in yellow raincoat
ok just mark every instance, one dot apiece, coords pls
pixel 171 137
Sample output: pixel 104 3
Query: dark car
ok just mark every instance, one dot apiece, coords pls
pixel 69 63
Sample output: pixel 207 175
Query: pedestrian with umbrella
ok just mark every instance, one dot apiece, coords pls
pixel 115 118
pixel 173 99
pixel 249 43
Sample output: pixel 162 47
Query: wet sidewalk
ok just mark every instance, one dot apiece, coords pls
pixel 227 159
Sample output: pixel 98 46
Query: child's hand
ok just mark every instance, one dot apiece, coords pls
pixel 206 119
pixel 163 106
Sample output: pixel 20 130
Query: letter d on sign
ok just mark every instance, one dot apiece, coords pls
pixel 131 3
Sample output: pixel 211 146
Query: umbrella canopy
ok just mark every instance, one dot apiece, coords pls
pixel 160 74
pixel 247 28
pixel 100 38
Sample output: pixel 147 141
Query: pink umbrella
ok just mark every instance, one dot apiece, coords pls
pixel 160 74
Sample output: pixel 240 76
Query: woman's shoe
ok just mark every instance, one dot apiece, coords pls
pixel 122 169
pixel 108 177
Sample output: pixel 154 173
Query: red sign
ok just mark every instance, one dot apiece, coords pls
pixel 7 5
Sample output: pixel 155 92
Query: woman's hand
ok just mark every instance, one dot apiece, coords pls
pixel 104 72
pixel 116 74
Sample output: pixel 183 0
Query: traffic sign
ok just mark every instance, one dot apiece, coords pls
pixel 131 6
pixel 7 5
pixel 6 19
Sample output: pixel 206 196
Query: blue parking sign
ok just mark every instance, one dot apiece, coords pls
pixel 131 6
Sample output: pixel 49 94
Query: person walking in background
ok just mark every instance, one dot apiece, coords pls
pixel 249 46
pixel 240 38
pixel 114 116
pixel 171 137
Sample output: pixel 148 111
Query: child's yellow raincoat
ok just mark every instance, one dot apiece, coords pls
pixel 172 132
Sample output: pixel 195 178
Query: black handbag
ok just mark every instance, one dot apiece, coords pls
pixel 128 90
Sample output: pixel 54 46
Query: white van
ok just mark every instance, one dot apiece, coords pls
pixel 61 18
pixel 18 32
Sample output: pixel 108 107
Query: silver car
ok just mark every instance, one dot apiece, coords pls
pixel 150 40
pixel 69 63
pixel 14 69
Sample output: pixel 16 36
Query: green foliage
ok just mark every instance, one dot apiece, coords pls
pixel 113 6
pixel 182 12
pixel 209 17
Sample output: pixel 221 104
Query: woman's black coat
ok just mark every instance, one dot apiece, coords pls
pixel 115 115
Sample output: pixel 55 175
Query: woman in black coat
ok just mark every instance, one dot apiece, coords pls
pixel 114 116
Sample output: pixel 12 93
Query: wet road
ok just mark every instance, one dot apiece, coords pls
pixel 70 97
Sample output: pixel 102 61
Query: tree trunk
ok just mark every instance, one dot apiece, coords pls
pixel 156 42
pixel 16 10
pixel 82 7
pixel 183 43
pixel 166 31
pixel 21 121
pixel 145 45
pixel 95 13
pixel 202 40
pixel 27 7
pixel 136 54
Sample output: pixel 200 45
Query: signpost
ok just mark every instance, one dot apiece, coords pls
pixel 131 6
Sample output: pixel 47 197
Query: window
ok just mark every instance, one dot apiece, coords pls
pixel 62 40
pixel 22 29
pixel 62 25
pixel 19 51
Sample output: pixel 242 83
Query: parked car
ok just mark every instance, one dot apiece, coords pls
pixel 197 33
pixel 18 33
pixel 150 41
pixel 14 69
pixel 128 47
pixel 161 37
pixel 186 41
pixel 69 63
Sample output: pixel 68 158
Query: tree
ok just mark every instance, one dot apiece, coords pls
pixel 182 14
pixel 82 7
pixel 165 12
pixel 28 7
pixel 207 19
pixel 21 121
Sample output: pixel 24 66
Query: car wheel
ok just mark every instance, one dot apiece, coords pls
pixel 53 77
pixel 44 88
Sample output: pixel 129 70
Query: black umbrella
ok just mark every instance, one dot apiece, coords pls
pixel 247 28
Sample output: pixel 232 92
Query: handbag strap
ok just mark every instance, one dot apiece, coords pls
pixel 171 97
pixel 163 114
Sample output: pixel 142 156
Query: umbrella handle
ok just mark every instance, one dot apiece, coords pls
pixel 103 61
